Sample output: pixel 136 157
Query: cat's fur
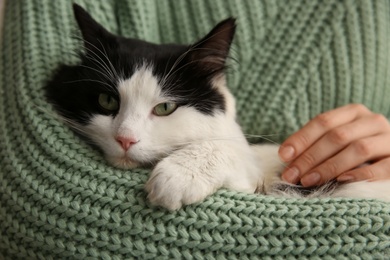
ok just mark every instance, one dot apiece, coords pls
pixel 196 149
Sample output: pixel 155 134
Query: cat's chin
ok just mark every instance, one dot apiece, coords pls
pixel 122 162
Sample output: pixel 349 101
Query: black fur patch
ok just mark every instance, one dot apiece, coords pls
pixel 107 58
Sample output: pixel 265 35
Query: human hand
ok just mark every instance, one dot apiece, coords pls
pixel 349 143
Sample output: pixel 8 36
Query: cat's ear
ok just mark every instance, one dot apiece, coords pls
pixel 94 35
pixel 210 53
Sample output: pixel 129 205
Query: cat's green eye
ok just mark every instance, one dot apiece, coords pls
pixel 164 109
pixel 108 102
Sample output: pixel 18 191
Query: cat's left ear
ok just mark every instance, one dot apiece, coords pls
pixel 211 52
pixel 94 34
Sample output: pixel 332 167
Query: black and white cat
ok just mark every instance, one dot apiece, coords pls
pixel 168 106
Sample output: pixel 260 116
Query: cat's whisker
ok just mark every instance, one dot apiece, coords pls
pixel 71 123
pixel 47 112
pixel 253 135
pixel 171 73
pixel 165 70
pixel 177 61
pixel 182 144
pixel 73 53
pixel 90 80
pixel 109 61
pixel 100 63
pixel 269 140
pixel 265 137
pixel 163 153
pixel 94 57
pixel 112 72
pixel 109 87
pixel 98 71
pixel 181 57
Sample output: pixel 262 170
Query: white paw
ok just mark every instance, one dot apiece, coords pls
pixel 173 184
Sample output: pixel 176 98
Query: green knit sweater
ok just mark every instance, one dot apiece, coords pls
pixel 59 198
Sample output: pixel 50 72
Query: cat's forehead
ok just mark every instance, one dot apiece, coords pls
pixel 130 54
pixel 139 94
pixel 141 87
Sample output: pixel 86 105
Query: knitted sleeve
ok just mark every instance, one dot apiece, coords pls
pixel 58 197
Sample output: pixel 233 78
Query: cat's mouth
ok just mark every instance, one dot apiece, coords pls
pixel 123 162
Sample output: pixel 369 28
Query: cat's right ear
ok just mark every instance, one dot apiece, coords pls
pixel 211 52
pixel 94 35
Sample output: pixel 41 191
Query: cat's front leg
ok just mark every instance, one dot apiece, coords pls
pixel 189 175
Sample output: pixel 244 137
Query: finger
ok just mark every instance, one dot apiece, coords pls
pixel 333 142
pixel 379 170
pixel 352 156
pixel 314 129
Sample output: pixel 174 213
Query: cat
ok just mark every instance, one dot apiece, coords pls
pixel 168 106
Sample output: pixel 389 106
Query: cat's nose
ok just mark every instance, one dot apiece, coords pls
pixel 126 142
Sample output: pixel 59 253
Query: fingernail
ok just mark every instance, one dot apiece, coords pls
pixel 345 178
pixel 287 153
pixel 291 175
pixel 310 179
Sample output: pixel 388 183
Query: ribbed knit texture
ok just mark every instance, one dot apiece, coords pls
pixel 58 197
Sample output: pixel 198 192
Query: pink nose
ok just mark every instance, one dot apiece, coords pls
pixel 126 142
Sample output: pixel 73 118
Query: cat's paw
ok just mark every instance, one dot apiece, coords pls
pixel 173 184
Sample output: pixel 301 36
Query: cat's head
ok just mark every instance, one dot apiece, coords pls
pixel 139 101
